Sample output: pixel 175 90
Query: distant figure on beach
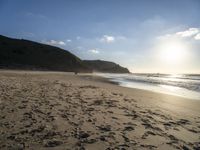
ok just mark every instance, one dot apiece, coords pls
pixel 75 72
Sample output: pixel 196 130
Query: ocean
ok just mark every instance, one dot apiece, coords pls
pixel 184 85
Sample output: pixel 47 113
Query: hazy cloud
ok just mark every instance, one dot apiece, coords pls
pixel 107 39
pixel 68 40
pixel 79 47
pixel 193 33
pixel 30 14
pixel 54 42
pixel 121 38
pixel 163 37
pixel 27 34
pixel 94 51
pixel 197 37
pixel 188 33
pixel 78 37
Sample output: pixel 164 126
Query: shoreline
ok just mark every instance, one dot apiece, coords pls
pixel 94 77
pixel 159 87
pixel 60 110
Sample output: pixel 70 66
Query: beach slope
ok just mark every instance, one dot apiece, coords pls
pixel 56 110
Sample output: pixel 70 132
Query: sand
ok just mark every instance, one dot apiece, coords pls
pixel 55 110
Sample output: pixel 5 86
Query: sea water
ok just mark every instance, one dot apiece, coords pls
pixel 184 85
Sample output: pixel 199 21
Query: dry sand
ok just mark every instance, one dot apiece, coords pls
pixel 55 110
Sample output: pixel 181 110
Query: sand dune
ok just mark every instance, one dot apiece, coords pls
pixel 55 110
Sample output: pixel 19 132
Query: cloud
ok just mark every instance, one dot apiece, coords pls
pixel 163 37
pixel 121 38
pixel 107 39
pixel 193 33
pixel 54 42
pixel 27 34
pixel 33 15
pixel 80 48
pixel 188 33
pixel 68 40
pixel 94 51
pixel 197 37
pixel 78 37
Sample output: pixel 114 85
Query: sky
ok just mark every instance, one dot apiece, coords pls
pixel 151 36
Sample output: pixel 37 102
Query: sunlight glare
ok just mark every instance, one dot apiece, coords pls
pixel 172 52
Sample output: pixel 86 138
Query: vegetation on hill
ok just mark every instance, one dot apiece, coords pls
pixel 29 55
pixel 24 54
pixel 105 66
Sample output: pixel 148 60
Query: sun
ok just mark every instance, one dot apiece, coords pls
pixel 172 52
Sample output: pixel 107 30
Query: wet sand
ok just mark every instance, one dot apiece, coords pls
pixel 55 110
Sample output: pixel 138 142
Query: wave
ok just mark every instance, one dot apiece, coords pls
pixel 189 82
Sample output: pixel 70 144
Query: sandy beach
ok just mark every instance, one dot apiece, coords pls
pixel 56 110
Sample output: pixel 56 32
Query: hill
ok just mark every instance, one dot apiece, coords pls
pixel 28 55
pixel 24 54
pixel 105 66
